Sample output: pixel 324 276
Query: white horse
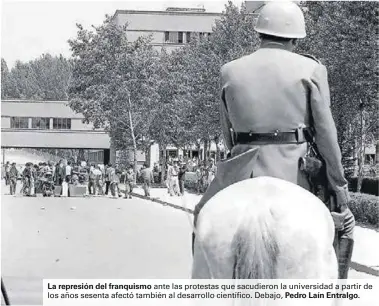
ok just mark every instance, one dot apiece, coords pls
pixel 264 228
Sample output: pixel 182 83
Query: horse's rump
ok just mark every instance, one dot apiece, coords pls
pixel 264 228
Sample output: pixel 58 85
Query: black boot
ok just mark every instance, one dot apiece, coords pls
pixel 345 251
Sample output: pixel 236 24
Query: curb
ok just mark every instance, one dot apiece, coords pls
pixel 353 265
pixel 364 269
pixel 162 202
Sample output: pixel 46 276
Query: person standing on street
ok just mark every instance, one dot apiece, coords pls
pixel 168 177
pixel 58 174
pixel 98 174
pixel 108 172
pixel 91 179
pixel 13 176
pixel 112 180
pixel 68 172
pixel 7 169
pixel 211 171
pixel 147 178
pixel 129 182
pixel 117 181
pixel 274 105
pixel 174 182
pixel 181 177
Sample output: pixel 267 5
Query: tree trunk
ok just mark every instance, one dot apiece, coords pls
pixel 360 168
pixel 361 156
pixel 81 155
pixel 198 146
pixel 147 154
pixel 218 150
pixel 134 140
pixel 377 152
pixel 206 144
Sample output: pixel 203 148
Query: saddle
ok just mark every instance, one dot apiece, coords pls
pixel 229 171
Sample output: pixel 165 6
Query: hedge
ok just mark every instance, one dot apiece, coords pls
pixel 365 208
pixel 370 185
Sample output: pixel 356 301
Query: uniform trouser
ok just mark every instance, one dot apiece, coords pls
pixel 343 243
pixel 146 187
pixel 13 184
pixel 107 184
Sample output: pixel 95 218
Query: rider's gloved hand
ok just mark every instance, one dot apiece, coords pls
pixel 339 217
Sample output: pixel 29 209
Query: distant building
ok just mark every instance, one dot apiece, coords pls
pixel 171 28
pixel 52 125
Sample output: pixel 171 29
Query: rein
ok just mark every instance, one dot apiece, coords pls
pixel 184 202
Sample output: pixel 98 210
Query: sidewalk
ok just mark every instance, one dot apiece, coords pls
pixel 366 248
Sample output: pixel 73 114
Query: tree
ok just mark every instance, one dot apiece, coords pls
pixel 45 78
pixel 114 83
pixel 4 79
pixel 334 30
pixel 233 36
pixel 52 76
pixel 169 124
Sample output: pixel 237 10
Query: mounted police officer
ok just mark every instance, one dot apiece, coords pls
pixel 273 102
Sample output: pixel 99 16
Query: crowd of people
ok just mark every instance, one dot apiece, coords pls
pixel 49 178
pixel 176 174
pixel 54 178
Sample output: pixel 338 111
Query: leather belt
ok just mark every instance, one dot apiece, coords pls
pixel 300 135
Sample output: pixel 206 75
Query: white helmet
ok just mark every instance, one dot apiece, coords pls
pixel 281 19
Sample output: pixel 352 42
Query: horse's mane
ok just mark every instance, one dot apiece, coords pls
pixel 256 251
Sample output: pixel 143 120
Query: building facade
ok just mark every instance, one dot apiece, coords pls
pixel 49 124
pixel 171 28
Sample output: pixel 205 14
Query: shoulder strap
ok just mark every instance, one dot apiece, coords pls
pixel 311 57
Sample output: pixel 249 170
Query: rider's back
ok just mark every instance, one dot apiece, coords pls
pixel 266 91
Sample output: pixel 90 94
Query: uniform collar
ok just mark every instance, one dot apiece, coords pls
pixel 274 45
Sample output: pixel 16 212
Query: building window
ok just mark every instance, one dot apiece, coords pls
pixel 19 122
pixel 173 37
pixel 180 37
pixel 166 36
pixel 41 123
pixel 62 124
pixel 188 34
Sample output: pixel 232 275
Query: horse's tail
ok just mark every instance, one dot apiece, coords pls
pixel 256 247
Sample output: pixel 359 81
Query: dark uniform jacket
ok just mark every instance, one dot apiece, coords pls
pixel 275 89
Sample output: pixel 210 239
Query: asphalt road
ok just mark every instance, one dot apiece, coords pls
pixel 91 238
